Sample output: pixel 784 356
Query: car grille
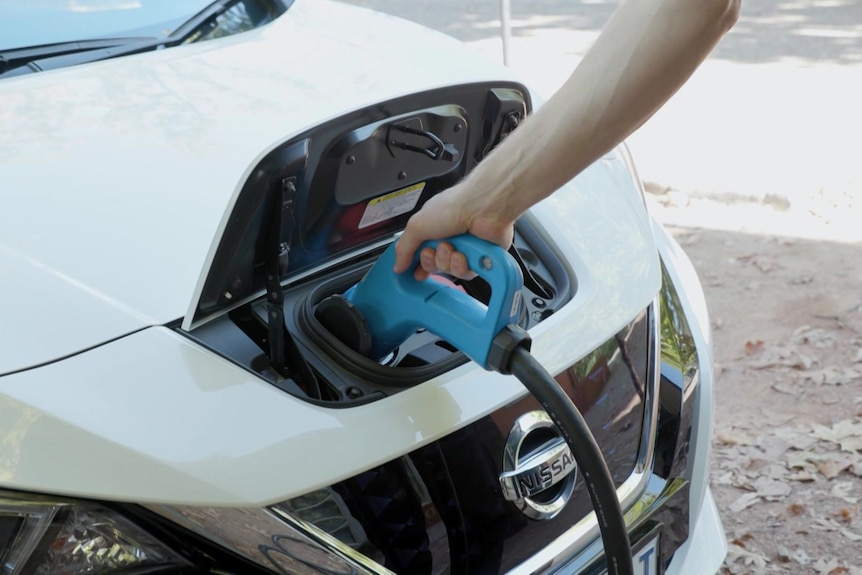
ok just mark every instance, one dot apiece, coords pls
pixel 440 509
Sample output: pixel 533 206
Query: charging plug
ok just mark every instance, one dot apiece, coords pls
pixel 504 344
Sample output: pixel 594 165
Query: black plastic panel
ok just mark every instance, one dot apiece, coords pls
pixel 347 377
pixel 356 180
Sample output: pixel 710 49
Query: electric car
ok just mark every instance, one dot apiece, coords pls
pixel 176 394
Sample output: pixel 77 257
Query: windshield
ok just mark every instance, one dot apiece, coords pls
pixel 25 23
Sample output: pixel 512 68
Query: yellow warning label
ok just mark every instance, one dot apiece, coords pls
pixel 391 205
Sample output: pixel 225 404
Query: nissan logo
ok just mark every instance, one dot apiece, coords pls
pixel 539 470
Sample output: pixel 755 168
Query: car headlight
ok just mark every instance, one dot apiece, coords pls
pixel 39 535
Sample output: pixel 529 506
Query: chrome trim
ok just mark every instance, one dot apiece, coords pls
pixel 585 532
pixel 331 544
pixel 528 474
pixel 271 538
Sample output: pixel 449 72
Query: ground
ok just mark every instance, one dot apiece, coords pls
pixel 787 321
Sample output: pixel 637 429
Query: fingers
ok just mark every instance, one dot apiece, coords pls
pixel 444 259
pixel 459 267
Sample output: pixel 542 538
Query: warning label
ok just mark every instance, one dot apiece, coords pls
pixel 391 205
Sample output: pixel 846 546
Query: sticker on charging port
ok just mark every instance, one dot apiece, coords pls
pixel 391 205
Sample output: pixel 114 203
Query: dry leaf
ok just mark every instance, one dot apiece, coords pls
pixel 829 467
pixel 834 376
pixel 824 567
pixel 851 444
pixel 814 336
pixel 796 509
pixel 785 388
pixel 799 556
pixel 734 553
pixel 850 535
pixel 734 437
pixel 753 347
pixel 845 515
pixel 842 490
pixel 771 489
pixel 740 541
pixel 826 524
pixel 802 477
pixel 838 431
pixel 744 502
pixel 799 360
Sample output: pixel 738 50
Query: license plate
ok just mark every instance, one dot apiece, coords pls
pixel 645 557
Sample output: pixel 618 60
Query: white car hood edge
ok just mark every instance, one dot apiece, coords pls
pixel 154 417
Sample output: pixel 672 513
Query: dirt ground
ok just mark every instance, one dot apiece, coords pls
pixel 786 308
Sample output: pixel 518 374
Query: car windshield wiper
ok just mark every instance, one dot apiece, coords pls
pixel 21 56
pixel 52 56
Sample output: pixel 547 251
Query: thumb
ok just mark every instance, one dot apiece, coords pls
pixel 405 249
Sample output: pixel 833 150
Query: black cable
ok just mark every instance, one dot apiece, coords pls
pixel 570 422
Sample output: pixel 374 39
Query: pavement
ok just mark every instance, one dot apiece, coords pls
pixel 771 118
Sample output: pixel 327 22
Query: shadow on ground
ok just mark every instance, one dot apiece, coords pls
pixel 810 31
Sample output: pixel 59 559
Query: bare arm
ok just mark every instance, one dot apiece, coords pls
pixel 648 49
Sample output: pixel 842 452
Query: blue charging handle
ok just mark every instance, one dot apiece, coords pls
pixel 396 305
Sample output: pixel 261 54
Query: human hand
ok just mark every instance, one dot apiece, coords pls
pixel 445 215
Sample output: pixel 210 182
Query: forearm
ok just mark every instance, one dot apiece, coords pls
pixel 647 51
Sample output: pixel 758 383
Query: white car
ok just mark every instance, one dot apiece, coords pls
pixel 172 397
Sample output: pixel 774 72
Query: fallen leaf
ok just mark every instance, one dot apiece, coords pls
pixel 814 336
pixel 851 444
pixel 753 347
pixel 771 489
pixel 829 467
pixel 800 556
pixel 799 361
pixel 723 479
pixel 825 524
pixel 802 477
pixel 839 430
pixel 796 509
pixel 785 555
pixel 834 376
pixel 785 388
pixel 744 501
pixel 850 535
pixel 841 490
pixel 735 553
pixel 734 437
pixel 845 515
pixel 740 541
pixel 824 567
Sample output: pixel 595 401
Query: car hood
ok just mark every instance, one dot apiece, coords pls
pixel 116 176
